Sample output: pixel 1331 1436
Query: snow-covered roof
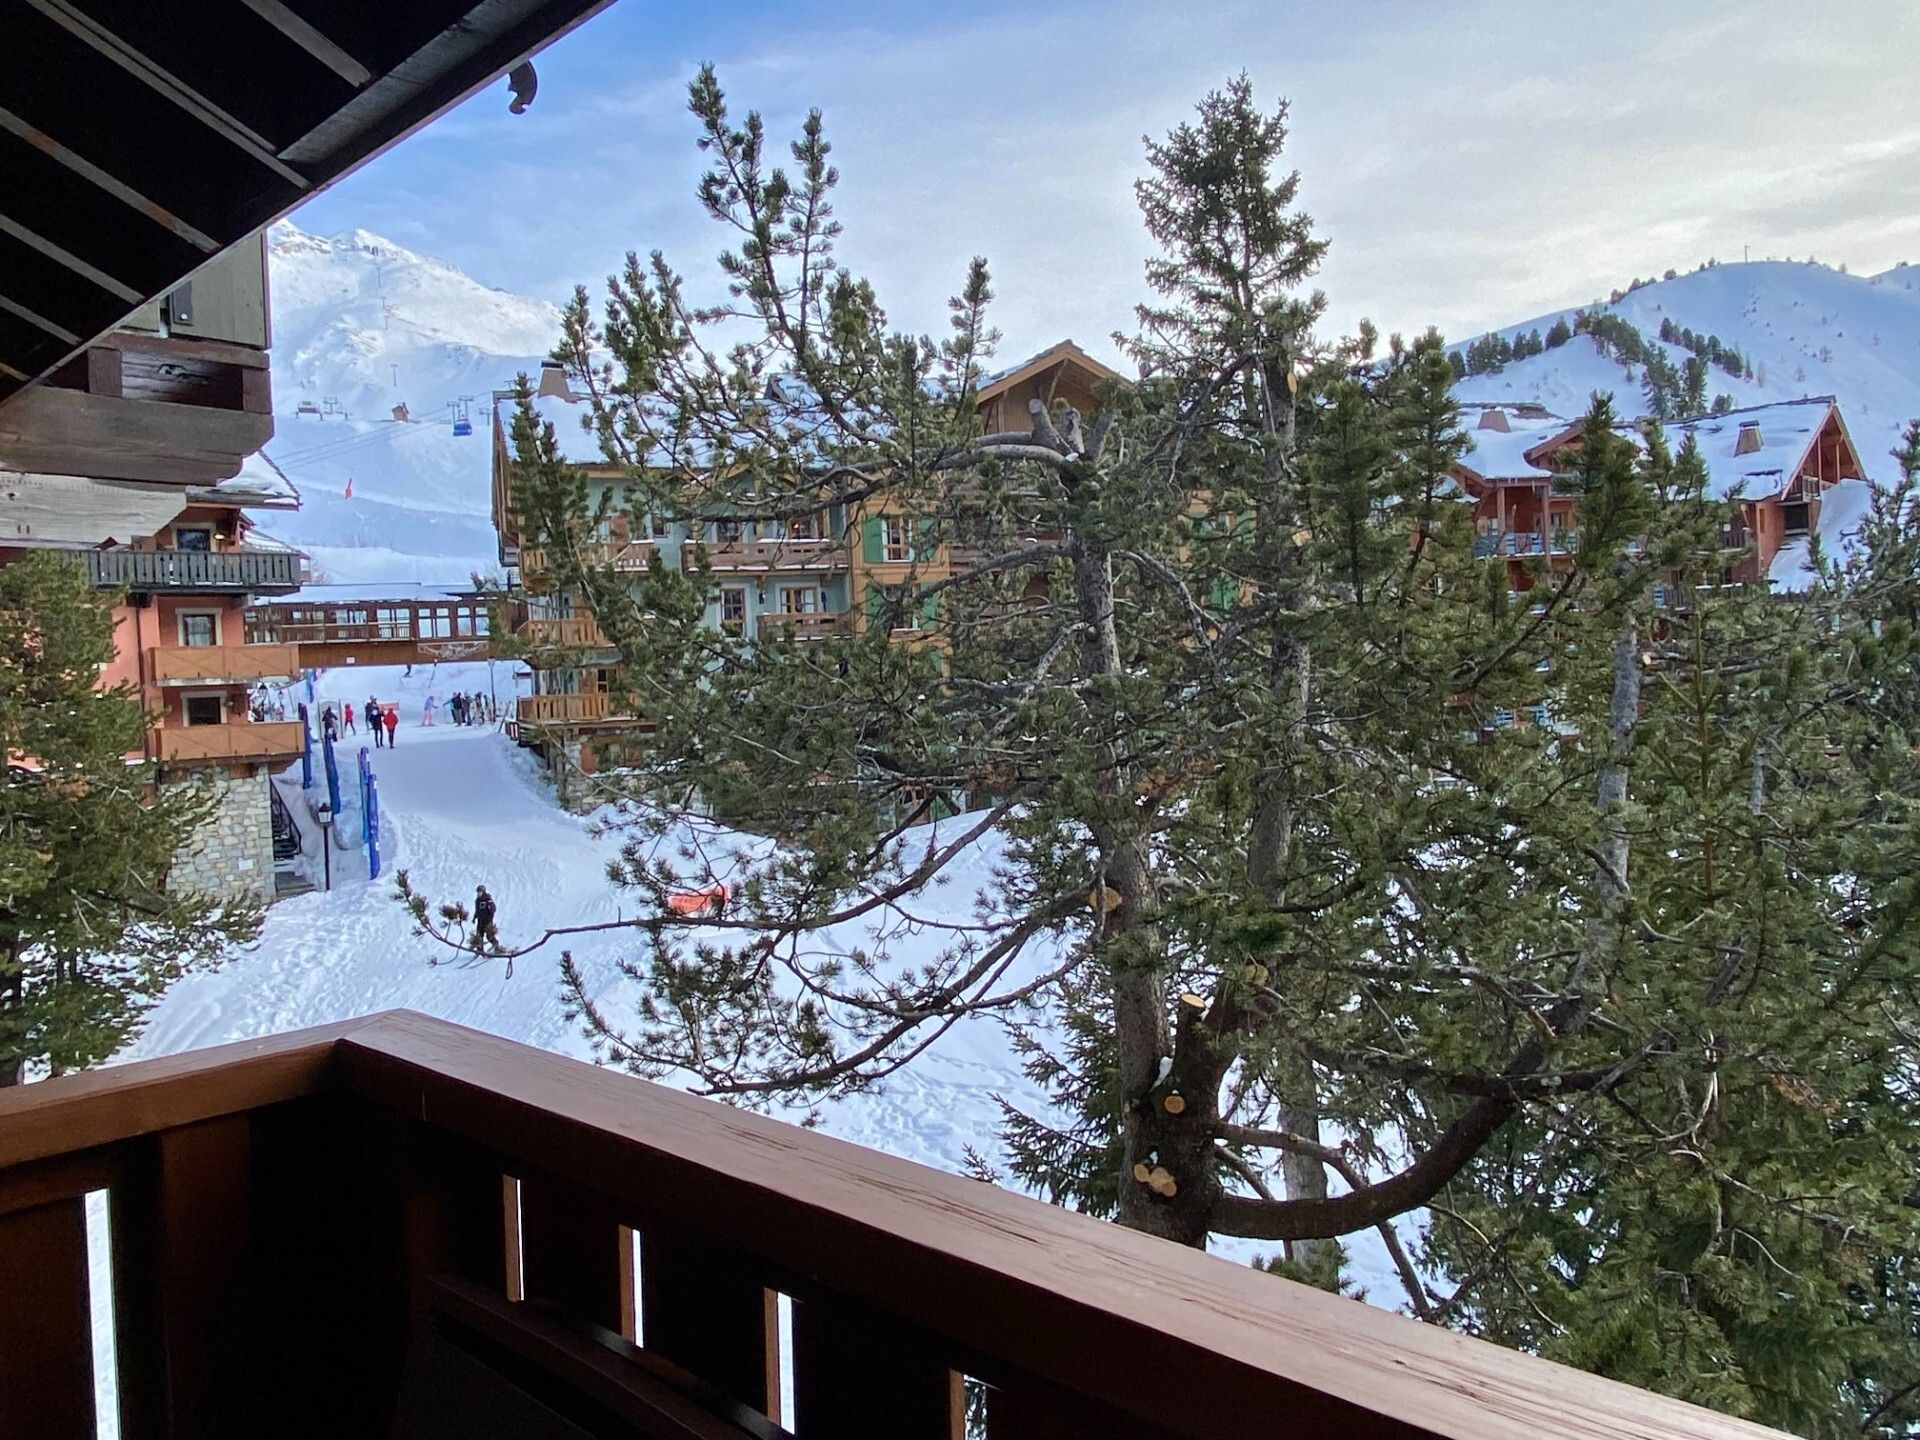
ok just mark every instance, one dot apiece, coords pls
pixel 1064 350
pixel 260 483
pixel 77 512
pixel 1786 430
pixel 1843 506
pixel 572 422
pixel 1501 454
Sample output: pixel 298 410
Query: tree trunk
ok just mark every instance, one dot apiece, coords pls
pixel 1173 1203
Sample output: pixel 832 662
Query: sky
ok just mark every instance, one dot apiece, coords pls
pixel 1473 162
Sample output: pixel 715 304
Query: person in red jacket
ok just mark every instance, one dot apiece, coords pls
pixel 393 724
pixel 349 719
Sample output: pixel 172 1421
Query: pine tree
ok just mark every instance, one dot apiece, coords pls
pixel 90 934
pixel 1559 333
pixel 1299 931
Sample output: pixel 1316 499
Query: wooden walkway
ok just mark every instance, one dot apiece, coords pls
pixel 376 632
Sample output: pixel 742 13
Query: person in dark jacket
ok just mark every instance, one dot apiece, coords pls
pixel 483 932
pixel 372 716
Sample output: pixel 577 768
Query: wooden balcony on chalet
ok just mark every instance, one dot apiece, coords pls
pixel 198 572
pixel 566 632
pixel 231 664
pixel 770 555
pixel 584 708
pixel 234 740
pixel 400 1227
pixel 804 625
pixel 621 556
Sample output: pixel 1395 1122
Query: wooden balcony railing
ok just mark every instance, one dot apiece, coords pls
pixel 621 555
pixel 805 625
pixel 578 632
pixel 198 571
pixel 586 707
pixel 181 664
pixel 400 1227
pixel 236 740
pixel 767 555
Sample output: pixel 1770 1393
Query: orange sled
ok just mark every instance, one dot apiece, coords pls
pixel 690 903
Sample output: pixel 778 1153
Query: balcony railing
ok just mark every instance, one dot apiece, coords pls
pixel 622 555
pixel 183 664
pixel 400 1227
pixel 239 571
pixel 804 625
pixel 235 740
pixel 586 707
pixel 767 555
pixel 577 632
pixel 1526 542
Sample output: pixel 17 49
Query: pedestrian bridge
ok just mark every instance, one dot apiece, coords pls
pixel 375 632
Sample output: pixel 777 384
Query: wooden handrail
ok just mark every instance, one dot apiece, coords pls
pixel 382 1153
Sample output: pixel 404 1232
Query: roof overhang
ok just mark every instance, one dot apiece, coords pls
pixel 139 140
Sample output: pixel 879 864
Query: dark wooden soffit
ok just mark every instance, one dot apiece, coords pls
pixel 138 140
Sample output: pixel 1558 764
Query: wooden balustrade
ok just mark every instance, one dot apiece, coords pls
pixel 579 632
pixel 805 625
pixel 235 740
pixel 398 1226
pixel 770 554
pixel 181 664
pixel 587 706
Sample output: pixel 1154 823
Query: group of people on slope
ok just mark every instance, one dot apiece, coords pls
pixel 463 709
pixel 382 721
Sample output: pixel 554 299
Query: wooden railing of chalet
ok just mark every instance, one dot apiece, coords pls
pixel 235 740
pixel 770 554
pixel 805 625
pixel 593 554
pixel 577 632
pixel 174 664
pixel 293 1218
pixel 587 706
pixel 194 570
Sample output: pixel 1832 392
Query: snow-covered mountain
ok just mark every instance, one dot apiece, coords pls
pixel 1807 329
pixel 361 326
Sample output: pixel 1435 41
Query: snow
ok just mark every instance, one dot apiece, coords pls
pixel 1785 431
pixel 463 807
pixel 1842 507
pixel 1501 454
pixel 1809 329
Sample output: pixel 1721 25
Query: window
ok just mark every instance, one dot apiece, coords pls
pixel 733 609
pixel 803 527
pixel 197 538
pixel 898 532
pixel 802 600
pixel 199 627
pixel 727 532
pixel 902 612
pixel 204 710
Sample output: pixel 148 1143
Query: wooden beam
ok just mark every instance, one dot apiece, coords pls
pixel 67 259
pixel 170 86
pixel 39 321
pixel 94 175
pixel 104 375
pixel 296 29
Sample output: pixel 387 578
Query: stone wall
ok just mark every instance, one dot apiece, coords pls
pixel 232 853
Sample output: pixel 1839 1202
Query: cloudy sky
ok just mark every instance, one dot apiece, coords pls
pixel 1474 162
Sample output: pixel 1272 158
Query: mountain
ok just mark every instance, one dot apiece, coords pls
pixel 1807 329
pixel 362 325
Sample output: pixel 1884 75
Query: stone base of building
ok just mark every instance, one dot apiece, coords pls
pixel 231 854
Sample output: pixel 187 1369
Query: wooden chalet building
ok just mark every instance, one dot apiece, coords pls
pixel 834 572
pixel 1782 460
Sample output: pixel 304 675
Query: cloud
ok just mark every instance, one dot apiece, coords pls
pixel 1473 164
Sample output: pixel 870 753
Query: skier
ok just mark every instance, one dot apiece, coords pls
pixel 393 724
pixel 426 714
pixel 372 712
pixel 480 707
pixel 458 704
pixel 329 724
pixel 483 932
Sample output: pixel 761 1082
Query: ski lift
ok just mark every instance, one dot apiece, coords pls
pixel 462 425
pixel 306 407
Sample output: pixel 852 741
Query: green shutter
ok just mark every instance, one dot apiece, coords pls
pixel 928 605
pixel 873 540
pixel 876 601
pixel 1225 592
